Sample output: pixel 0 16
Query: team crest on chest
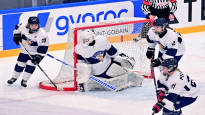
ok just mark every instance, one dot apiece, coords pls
pixel 99 55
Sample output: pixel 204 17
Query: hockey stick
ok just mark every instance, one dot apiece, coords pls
pixel 154 79
pixel 39 66
pixel 91 77
pixel 61 61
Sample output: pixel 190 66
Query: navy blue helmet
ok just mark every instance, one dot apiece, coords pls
pixel 33 20
pixel 161 22
pixel 170 63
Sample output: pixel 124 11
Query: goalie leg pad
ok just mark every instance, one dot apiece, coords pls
pixel 92 85
pixel 135 79
pixel 120 83
pixel 83 72
pixel 115 70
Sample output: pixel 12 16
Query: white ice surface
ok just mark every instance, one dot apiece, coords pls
pixel 15 100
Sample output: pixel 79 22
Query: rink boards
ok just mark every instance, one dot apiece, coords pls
pixel 57 18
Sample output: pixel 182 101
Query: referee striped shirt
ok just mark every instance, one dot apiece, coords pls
pixel 159 4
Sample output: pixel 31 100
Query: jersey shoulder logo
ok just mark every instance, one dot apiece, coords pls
pixel 173 85
pixel 173 43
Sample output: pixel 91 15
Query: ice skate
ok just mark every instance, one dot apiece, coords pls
pixel 11 81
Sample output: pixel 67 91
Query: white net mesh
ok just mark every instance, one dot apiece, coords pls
pixel 119 32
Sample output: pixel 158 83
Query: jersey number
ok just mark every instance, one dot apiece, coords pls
pixel 44 40
pixel 193 84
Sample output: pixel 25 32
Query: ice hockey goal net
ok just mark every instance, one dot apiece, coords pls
pixel 119 32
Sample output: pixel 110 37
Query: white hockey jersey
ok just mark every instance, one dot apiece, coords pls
pixel 180 84
pixel 33 41
pixel 99 55
pixel 171 44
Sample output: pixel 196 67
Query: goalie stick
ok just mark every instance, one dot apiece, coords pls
pixel 91 77
pixel 39 66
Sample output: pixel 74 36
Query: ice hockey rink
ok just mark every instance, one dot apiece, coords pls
pixel 15 100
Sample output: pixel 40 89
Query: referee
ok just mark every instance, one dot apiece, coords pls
pixel 157 9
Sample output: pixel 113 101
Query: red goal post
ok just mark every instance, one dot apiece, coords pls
pixel 120 32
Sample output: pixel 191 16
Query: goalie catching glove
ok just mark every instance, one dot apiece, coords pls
pixel 125 61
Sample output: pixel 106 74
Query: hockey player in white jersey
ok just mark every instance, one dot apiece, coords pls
pixel 170 42
pixel 105 62
pixel 175 89
pixel 35 40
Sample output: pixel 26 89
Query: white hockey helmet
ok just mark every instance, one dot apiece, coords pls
pixel 86 36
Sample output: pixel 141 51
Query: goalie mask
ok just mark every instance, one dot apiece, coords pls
pixel 171 65
pixel 87 36
pixel 33 24
pixel 160 25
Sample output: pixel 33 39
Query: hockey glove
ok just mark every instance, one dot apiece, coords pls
pixel 127 61
pixel 158 106
pixel 16 26
pixel 160 95
pixel 150 53
pixel 36 59
pixel 123 55
pixel 157 62
pixel 17 38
